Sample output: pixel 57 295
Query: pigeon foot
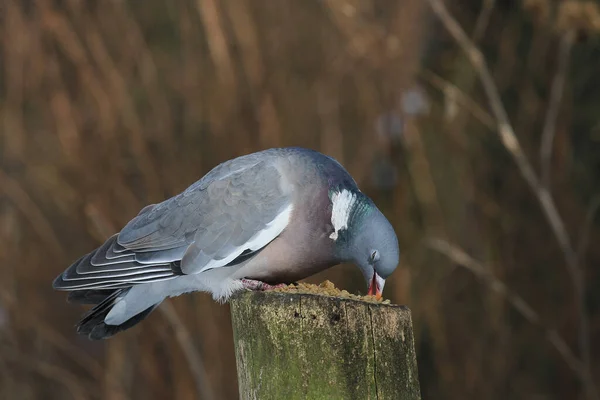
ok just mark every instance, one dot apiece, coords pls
pixel 252 284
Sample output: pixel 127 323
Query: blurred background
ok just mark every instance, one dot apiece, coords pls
pixel 474 128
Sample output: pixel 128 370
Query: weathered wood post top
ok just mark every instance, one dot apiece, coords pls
pixel 309 346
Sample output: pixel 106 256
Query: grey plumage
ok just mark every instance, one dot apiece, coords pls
pixel 276 216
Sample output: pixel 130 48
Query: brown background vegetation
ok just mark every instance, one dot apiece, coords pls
pixel 107 106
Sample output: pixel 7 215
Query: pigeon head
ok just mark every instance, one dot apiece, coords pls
pixel 365 237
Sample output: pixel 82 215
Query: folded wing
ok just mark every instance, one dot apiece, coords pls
pixel 235 210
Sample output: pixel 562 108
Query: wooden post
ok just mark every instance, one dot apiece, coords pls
pixel 307 346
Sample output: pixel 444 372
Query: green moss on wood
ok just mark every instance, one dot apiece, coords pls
pixel 303 346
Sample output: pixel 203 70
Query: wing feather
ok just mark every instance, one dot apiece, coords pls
pixel 233 211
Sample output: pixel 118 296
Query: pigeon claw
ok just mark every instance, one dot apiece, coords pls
pixel 252 284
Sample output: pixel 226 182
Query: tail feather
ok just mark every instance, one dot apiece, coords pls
pixel 89 296
pixel 92 323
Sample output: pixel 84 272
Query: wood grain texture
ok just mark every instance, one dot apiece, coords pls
pixel 305 346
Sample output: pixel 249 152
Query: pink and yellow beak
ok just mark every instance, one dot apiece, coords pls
pixel 376 286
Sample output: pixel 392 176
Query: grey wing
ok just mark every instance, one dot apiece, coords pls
pixel 236 209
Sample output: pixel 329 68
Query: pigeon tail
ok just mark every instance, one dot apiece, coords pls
pixel 92 323
pixel 90 296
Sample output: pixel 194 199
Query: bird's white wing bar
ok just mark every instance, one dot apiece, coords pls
pixel 258 241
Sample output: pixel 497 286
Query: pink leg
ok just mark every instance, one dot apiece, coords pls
pixel 252 284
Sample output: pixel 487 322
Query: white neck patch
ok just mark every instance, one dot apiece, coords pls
pixel 342 202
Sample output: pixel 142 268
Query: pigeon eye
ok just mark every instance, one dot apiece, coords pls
pixel 374 256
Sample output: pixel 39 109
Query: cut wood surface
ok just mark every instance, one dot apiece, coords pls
pixel 307 346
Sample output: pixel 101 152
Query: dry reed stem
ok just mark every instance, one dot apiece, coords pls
pixel 458 256
pixel 209 12
pixel 133 40
pixel 362 37
pixel 117 380
pixel 126 108
pixel 48 334
pixel 59 28
pixel 189 350
pixel 420 169
pixel 38 221
pixel 50 371
pixel 245 33
pixel 556 94
pixel 7 383
pixel 584 236
pixel 452 91
pixel 64 117
pixel 332 138
pixel 13 136
pixel 511 143
pixel 483 19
